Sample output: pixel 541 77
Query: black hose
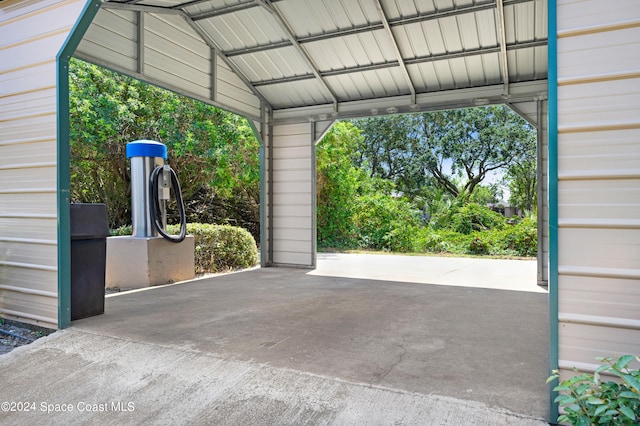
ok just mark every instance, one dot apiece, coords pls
pixel 155 205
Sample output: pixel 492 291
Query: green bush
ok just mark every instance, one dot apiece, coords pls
pixel 218 248
pixel 471 217
pixel 514 240
pixel 384 222
pixel 522 238
pixel 428 240
pixel 588 400
pixel 479 244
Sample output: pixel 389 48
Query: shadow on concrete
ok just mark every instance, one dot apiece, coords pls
pixel 477 344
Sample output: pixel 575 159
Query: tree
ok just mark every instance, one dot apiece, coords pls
pixel 337 183
pixel 522 179
pixel 387 151
pixel 466 144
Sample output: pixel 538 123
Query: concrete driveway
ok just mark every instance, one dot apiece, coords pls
pixel 285 346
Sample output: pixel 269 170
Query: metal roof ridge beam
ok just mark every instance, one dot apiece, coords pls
pixel 266 4
pixel 502 39
pixel 397 52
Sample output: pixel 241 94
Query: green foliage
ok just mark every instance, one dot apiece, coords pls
pixel 521 238
pixel 522 179
pixel 214 152
pixel 467 218
pixel 218 248
pixel 436 148
pixel 337 185
pixel 588 400
pixel 384 222
pixel 486 194
pixel 357 210
pixel 354 209
pixel 426 240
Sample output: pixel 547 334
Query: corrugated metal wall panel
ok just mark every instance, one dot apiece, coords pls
pixel 28 228
pixel 586 342
pixel 608 103
pixel 598 180
pixel 231 91
pixel 31 34
pixel 41 306
pixel 582 153
pixel 598 203
pixel 293 195
pixel 618 53
pixel 174 57
pixel 31 252
pixel 112 37
pixel 529 110
pixel 583 295
pixel 29 103
pixel 583 14
pixel 27 177
pixel 28 204
pixel 605 249
pixel 44 21
pixel 32 78
pixel 543 276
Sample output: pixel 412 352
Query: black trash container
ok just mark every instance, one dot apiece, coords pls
pixel 89 232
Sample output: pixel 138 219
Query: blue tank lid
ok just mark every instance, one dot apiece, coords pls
pixel 145 148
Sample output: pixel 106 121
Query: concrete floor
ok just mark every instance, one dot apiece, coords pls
pixel 499 274
pixel 285 346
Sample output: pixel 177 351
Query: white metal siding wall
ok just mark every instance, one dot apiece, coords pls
pixel 112 39
pixel 598 180
pixel 536 113
pixel 293 203
pixel 31 34
pixel 543 183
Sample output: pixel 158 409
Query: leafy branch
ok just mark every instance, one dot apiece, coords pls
pixel 588 400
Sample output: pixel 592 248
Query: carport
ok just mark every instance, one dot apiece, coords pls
pixel 293 68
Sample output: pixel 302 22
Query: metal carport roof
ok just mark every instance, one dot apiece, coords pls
pixel 342 57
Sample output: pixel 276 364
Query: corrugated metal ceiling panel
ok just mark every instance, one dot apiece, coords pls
pixel 287 95
pixel 313 17
pixel 272 64
pixel 370 84
pixel 243 29
pixel 344 50
pixel 352 51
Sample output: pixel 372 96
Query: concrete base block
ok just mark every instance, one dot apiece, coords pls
pixel 143 262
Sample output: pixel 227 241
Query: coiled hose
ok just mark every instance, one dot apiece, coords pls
pixel 155 204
